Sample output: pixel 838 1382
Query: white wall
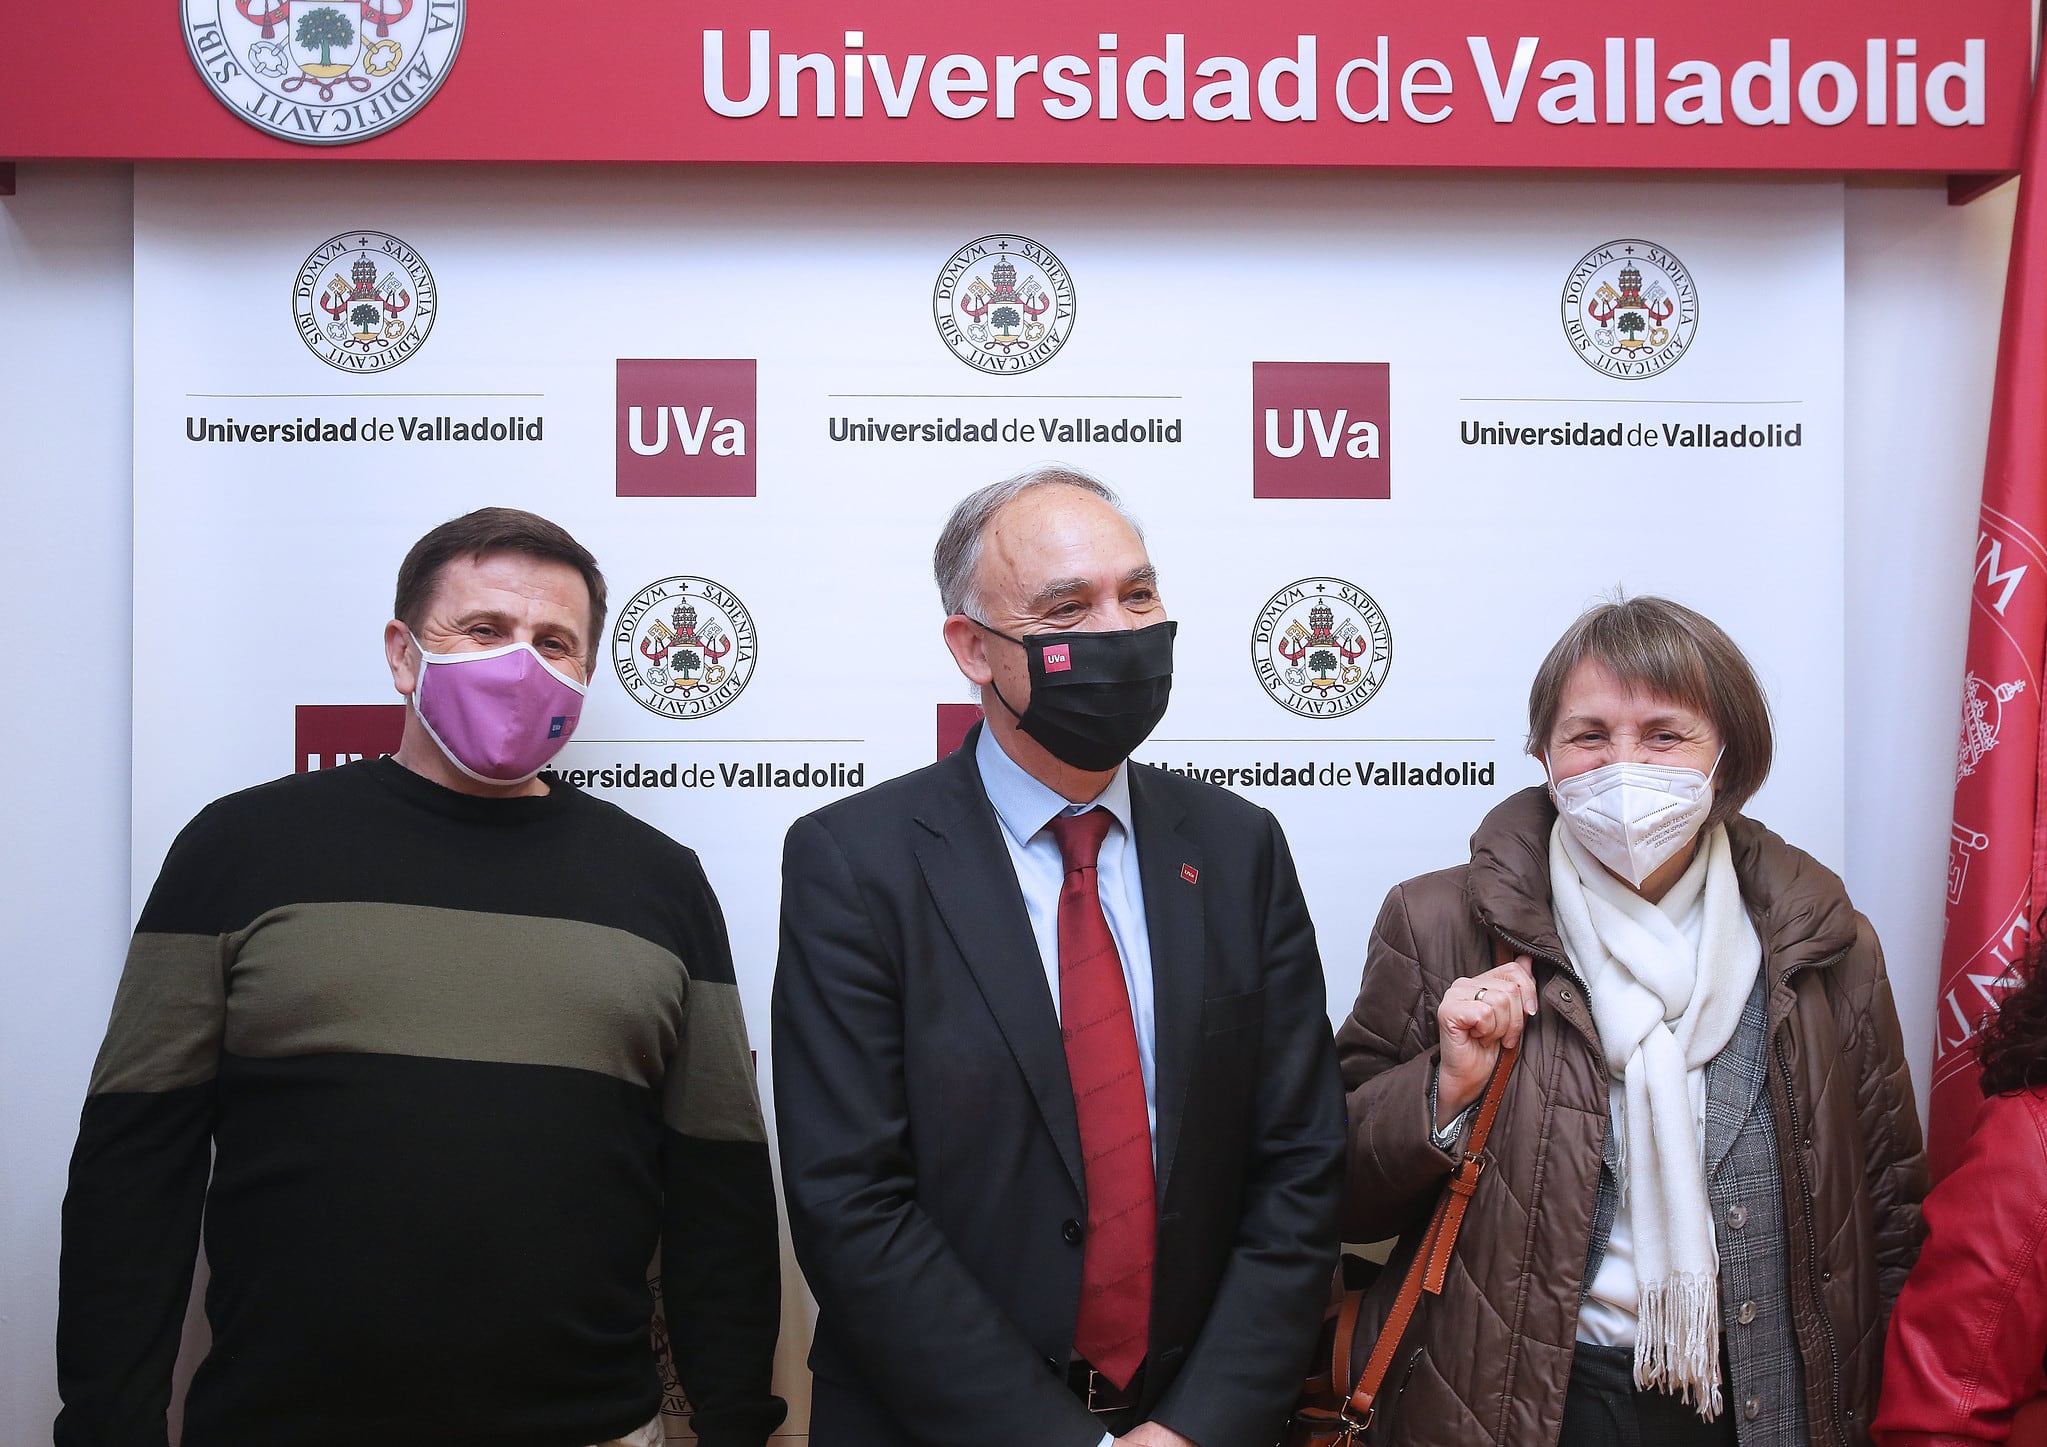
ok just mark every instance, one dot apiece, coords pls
pixel 65 318
pixel 1924 282
pixel 1925 285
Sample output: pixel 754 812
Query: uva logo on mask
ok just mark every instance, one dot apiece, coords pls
pixel 499 714
pixel 1634 817
pixel 1094 696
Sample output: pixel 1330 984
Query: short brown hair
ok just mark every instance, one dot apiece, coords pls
pixel 1663 648
pixel 480 534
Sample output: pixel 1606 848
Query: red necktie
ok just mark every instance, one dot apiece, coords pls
pixel 1108 1097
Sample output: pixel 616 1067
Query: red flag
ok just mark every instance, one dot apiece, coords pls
pixel 1997 853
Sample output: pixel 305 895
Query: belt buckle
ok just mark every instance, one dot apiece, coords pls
pixel 1093 1377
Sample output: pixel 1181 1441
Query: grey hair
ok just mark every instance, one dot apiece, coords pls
pixel 956 560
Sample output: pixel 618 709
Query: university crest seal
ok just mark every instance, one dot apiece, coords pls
pixel 1631 309
pixel 1003 304
pixel 1321 648
pixel 323 72
pixel 363 301
pixel 684 647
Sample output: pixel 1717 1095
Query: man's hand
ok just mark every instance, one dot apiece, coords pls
pixel 1476 1017
pixel 1151 1434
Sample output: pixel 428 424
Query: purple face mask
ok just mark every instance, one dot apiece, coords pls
pixel 500 714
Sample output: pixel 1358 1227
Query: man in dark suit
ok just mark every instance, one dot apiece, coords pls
pixel 1061 1128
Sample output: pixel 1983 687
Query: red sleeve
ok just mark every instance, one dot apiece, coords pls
pixel 1969 1331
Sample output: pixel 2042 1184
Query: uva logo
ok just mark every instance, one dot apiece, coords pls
pixel 728 437
pixel 955 722
pixel 1359 439
pixel 686 427
pixel 1320 430
pixel 328 735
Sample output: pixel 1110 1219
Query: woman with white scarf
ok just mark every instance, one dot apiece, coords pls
pixel 1701 1194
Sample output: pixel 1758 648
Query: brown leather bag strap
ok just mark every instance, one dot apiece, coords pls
pixel 1432 1262
pixel 1346 1334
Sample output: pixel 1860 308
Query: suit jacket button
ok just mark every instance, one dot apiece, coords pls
pixel 1052 1366
pixel 1072 1231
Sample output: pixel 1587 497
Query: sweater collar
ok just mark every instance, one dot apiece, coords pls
pixel 424 793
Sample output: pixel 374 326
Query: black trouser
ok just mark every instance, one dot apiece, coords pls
pixel 1604 1407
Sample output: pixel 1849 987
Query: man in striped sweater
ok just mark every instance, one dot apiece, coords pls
pixel 440 1052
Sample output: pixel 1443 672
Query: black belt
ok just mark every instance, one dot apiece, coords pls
pixel 1100 1395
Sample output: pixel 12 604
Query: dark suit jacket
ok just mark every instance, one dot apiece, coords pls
pixel 930 1155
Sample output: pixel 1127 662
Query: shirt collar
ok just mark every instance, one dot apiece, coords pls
pixel 1026 805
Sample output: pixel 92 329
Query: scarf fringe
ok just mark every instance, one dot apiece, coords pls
pixel 1677 1342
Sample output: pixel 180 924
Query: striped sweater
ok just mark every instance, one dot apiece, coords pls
pixel 439 1073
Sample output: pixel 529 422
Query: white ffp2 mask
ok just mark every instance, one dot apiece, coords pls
pixel 1634 817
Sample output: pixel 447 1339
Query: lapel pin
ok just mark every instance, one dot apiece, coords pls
pixel 1189 873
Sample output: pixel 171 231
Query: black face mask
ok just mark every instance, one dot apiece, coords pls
pixel 1094 696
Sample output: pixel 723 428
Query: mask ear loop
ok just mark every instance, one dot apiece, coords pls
pixel 419 680
pixel 1556 797
pixel 994 687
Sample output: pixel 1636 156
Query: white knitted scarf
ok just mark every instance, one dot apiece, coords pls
pixel 1666 999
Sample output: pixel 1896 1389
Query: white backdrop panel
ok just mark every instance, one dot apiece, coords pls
pixel 279 557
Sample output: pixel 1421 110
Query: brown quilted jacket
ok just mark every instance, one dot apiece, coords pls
pixel 1488 1361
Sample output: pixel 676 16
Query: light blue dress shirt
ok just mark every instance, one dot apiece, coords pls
pixel 1025 806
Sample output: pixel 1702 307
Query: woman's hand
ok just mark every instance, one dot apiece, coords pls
pixel 1475 1018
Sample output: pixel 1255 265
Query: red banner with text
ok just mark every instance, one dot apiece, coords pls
pixel 1885 85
